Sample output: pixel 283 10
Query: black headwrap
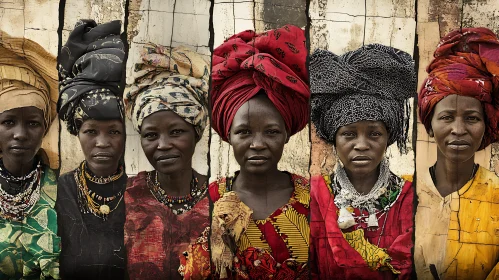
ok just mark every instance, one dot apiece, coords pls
pixel 90 67
pixel 371 83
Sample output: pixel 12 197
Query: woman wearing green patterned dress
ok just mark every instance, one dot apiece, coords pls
pixel 29 245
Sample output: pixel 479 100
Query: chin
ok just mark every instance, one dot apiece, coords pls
pixel 458 157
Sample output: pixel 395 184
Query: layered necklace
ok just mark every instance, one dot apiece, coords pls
pixel 88 200
pixel 186 202
pixel 347 197
pixel 16 207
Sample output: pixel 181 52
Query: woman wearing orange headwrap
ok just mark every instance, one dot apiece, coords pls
pixel 259 100
pixel 457 236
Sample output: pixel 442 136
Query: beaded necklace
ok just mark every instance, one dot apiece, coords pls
pixel 186 202
pixel 16 207
pixel 87 199
pixel 102 180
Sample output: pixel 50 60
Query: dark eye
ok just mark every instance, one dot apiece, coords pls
pixel 273 131
pixel 473 118
pixel 8 122
pixel 243 132
pixel 115 132
pixel 348 134
pixel 446 118
pixel 150 135
pixel 90 131
pixel 34 123
pixel 376 133
pixel 177 132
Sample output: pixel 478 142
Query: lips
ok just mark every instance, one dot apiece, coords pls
pixel 257 159
pixel 17 149
pixel 167 159
pixel 361 160
pixel 458 145
pixel 102 156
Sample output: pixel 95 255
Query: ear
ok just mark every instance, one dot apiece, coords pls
pixel 430 132
pixel 287 138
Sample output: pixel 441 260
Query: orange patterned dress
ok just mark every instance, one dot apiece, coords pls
pixel 244 248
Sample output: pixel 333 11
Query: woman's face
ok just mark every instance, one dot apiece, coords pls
pixel 168 142
pixel 458 126
pixel 21 134
pixel 257 135
pixel 103 144
pixel 361 146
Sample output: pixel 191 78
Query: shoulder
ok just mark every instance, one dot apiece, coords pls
pixel 137 182
pixel 302 189
pixel 48 185
pixel 217 188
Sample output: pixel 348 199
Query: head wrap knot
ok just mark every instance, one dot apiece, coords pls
pixel 27 77
pixel 371 83
pixel 173 79
pixel 90 68
pixel 273 61
pixel 466 63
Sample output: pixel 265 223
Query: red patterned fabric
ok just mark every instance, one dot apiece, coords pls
pixel 155 238
pixel 466 63
pixel 332 257
pixel 273 61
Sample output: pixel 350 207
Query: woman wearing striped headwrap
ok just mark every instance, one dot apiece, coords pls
pixel 29 245
pixel 361 216
pixel 457 232
pixel 167 104
pixel 91 213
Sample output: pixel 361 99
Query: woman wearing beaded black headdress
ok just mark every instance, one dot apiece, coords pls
pixel 29 245
pixel 90 207
pixel 361 216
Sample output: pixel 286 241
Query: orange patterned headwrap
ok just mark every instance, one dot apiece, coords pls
pixel 466 63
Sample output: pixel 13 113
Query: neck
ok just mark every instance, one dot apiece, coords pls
pixel 17 169
pixel 178 183
pixel 261 183
pixel 364 183
pixel 451 176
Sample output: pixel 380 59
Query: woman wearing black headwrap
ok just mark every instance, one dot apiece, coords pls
pixel 361 216
pixel 91 213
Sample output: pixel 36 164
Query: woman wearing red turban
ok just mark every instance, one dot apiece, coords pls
pixel 259 99
pixel 457 224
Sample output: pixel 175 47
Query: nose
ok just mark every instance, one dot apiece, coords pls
pixel 20 132
pixel 164 143
pixel 458 127
pixel 102 141
pixel 257 142
pixel 362 143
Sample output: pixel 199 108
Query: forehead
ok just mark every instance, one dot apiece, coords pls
pixel 458 103
pixel 26 112
pixel 365 125
pixel 163 118
pixel 258 107
pixel 102 123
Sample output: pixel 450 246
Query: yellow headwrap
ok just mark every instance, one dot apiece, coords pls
pixel 28 76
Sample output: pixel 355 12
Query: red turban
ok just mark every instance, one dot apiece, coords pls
pixel 466 63
pixel 273 61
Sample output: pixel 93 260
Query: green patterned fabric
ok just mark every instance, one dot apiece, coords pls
pixel 29 249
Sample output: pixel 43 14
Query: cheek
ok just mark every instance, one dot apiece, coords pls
pixel 149 147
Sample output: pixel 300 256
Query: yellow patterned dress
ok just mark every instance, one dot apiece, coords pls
pixel 276 247
pixel 457 236
pixel 29 249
